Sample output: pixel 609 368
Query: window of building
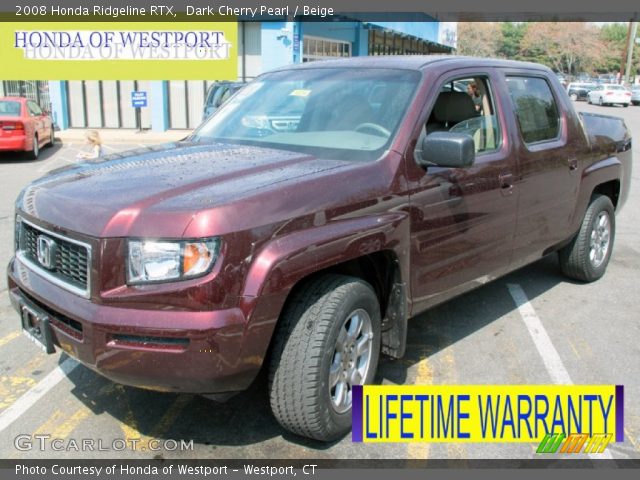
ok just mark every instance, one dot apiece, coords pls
pixel 316 48
pixel 535 108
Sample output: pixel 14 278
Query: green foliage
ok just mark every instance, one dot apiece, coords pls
pixel 562 46
pixel 512 34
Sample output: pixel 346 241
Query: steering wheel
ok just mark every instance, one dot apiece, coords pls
pixel 375 127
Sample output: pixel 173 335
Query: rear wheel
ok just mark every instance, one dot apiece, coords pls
pixel 33 154
pixel 328 340
pixel 52 138
pixel 587 256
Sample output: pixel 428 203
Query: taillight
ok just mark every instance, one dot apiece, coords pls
pixel 628 94
pixel 12 125
pixel 609 93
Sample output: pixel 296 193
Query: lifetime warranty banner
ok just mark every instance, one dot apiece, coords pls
pixel 485 413
pixel 119 51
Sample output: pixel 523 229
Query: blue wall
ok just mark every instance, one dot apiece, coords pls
pixel 159 104
pixel 277 45
pixel 58 97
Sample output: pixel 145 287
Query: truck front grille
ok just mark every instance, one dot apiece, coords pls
pixel 67 261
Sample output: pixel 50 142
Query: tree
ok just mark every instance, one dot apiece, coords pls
pixel 614 37
pixel 512 34
pixel 568 47
pixel 479 39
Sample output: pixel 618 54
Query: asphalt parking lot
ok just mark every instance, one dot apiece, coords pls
pixel 479 338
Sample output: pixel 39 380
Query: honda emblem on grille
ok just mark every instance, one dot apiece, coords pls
pixel 46 251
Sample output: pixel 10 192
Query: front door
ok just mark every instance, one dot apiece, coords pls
pixel 462 219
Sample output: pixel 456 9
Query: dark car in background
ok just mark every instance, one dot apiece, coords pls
pixel 217 94
pixel 24 126
pixel 579 90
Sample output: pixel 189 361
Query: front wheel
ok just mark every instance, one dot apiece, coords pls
pixel 327 341
pixel 587 256
pixel 600 102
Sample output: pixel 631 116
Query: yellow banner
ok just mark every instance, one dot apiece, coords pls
pixel 119 51
pixel 484 413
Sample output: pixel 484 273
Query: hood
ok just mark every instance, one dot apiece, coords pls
pixel 158 190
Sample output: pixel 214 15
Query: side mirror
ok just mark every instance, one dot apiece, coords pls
pixel 447 149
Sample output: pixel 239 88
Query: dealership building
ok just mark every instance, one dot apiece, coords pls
pixel 262 46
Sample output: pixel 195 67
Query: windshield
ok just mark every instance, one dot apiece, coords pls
pixel 340 113
pixel 9 109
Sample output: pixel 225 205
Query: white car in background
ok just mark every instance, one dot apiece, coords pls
pixel 635 95
pixel 609 94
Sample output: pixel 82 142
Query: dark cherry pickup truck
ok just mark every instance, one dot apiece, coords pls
pixel 302 225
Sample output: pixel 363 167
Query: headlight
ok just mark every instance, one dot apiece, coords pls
pixel 16 232
pixel 161 261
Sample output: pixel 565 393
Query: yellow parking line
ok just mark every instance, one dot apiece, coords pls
pixel 7 338
pixel 575 350
pixel 632 440
pixel 424 376
pixel 171 415
pixel 61 425
pixel 130 427
pixel 13 386
pixel 454 450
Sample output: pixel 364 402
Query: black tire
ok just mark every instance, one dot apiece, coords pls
pixel 600 102
pixel 588 99
pixel 304 350
pixel 575 258
pixel 33 154
pixel 625 105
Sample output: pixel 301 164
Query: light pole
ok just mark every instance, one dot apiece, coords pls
pixel 627 57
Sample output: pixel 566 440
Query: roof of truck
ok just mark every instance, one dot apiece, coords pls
pixel 415 62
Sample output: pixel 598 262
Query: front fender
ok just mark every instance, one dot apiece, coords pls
pixel 285 261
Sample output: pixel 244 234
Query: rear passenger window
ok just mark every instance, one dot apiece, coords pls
pixel 535 107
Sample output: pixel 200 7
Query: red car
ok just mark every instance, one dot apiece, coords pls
pixel 24 126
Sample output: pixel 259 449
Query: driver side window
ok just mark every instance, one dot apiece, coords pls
pixel 464 105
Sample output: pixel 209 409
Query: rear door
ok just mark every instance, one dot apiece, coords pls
pixel 462 219
pixel 548 150
pixel 39 120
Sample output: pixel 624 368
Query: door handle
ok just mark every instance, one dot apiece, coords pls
pixel 506 183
